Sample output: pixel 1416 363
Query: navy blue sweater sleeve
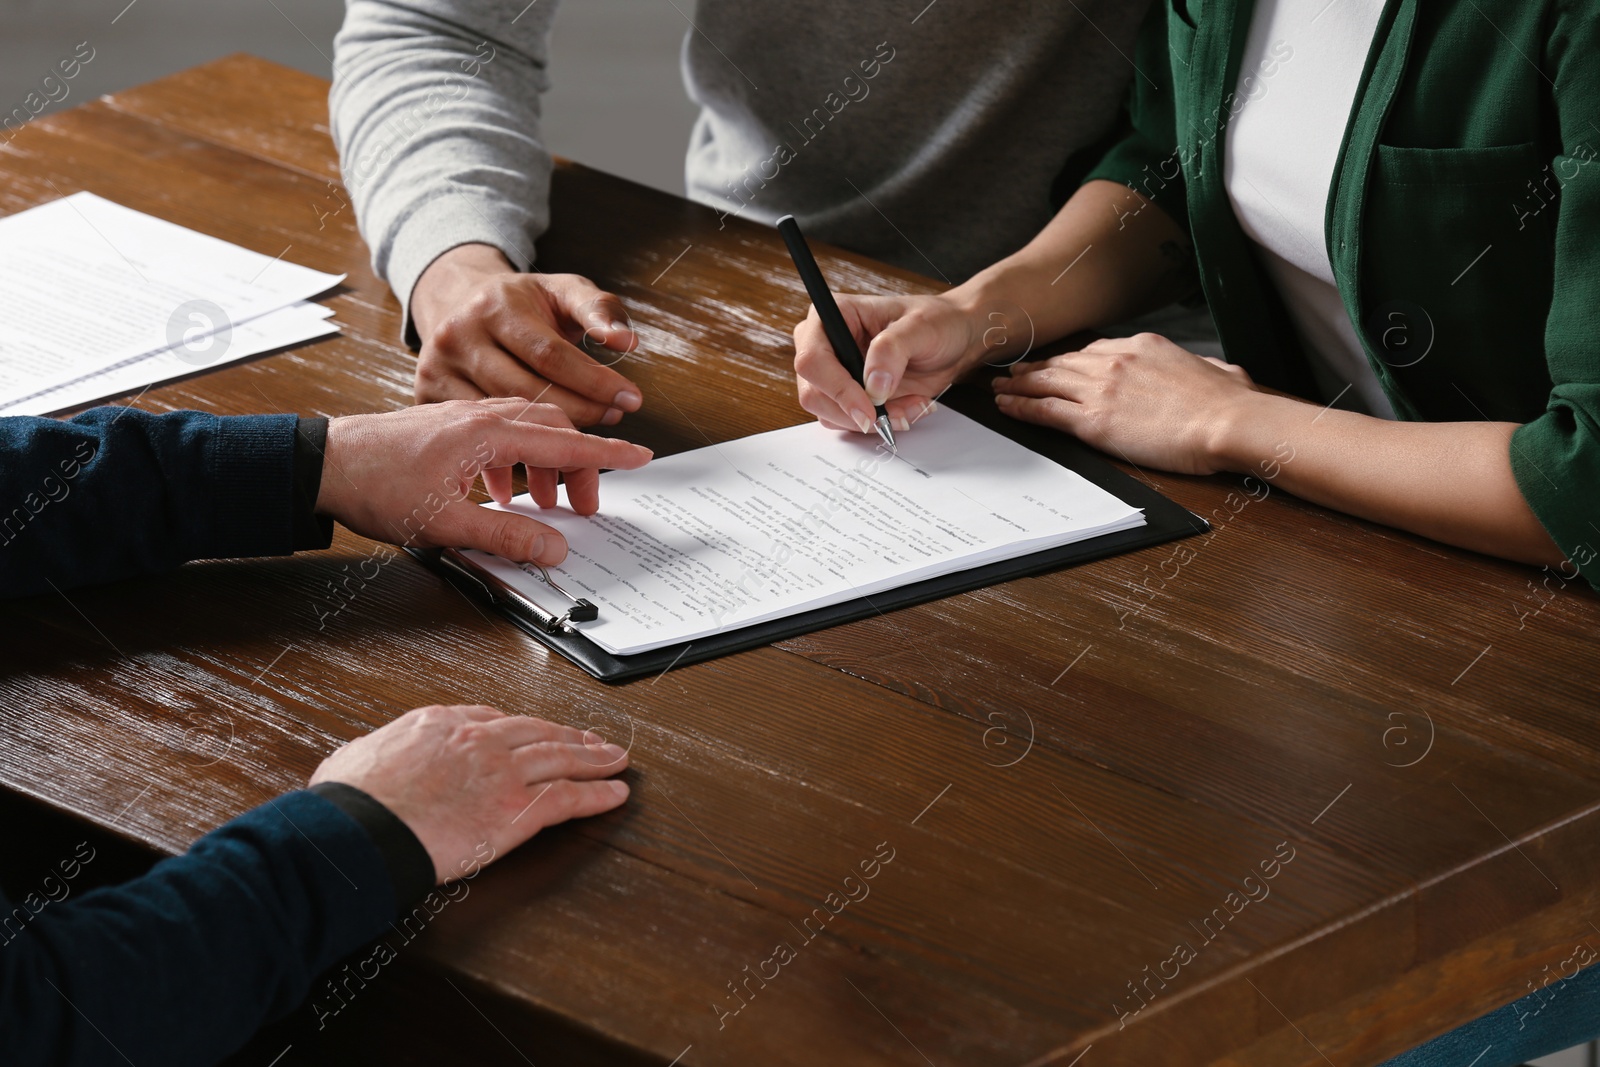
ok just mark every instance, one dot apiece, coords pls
pixel 116 492
pixel 182 965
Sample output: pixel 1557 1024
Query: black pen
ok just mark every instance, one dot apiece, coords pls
pixel 833 324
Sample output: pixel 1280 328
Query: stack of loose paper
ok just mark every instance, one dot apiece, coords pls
pixel 784 522
pixel 97 300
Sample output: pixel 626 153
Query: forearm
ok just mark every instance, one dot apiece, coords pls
pixel 1109 254
pixel 117 492
pixel 435 112
pixel 1450 481
pixel 182 965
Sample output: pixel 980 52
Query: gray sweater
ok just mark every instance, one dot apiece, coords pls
pixel 925 135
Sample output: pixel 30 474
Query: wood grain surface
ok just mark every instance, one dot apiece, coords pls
pixel 1055 782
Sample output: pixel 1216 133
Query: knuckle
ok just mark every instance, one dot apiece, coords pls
pixel 447 334
pixel 433 715
pixel 467 733
pixel 480 305
pixel 563 799
pixel 430 362
pixel 891 341
pixel 426 386
pixel 474 415
pixel 544 416
pixel 580 759
pixel 508 539
pixel 539 351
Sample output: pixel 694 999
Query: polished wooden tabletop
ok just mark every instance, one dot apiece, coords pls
pixel 1301 790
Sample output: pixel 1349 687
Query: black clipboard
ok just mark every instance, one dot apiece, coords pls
pixel 1164 521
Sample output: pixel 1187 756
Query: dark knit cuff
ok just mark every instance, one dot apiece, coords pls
pixel 410 867
pixel 310 443
pixel 249 475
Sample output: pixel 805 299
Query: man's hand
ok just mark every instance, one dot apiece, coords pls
pixel 489 331
pixel 914 347
pixel 461 777
pixel 405 476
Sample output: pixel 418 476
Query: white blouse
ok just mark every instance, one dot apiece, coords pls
pixel 1298 79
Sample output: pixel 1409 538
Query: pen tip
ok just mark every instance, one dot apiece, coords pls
pixel 885 432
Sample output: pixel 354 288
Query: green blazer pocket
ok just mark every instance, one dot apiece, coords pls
pixel 1454 239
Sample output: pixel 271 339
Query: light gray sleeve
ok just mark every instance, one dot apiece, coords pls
pixel 435 112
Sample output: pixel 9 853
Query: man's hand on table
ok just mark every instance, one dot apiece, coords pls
pixel 488 330
pixel 405 476
pixel 465 777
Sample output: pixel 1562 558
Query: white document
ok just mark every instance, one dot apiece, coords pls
pixel 87 284
pixel 784 522
pixel 293 325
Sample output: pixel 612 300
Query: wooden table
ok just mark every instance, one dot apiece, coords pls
pixel 1071 773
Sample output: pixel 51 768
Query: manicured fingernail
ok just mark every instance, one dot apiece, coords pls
pixel 619 788
pixel 612 751
pixel 536 550
pixel 933 405
pixel 619 327
pixel 627 400
pixel 878 385
pixel 901 423
pixel 863 421
pixel 611 417
pixel 1004 399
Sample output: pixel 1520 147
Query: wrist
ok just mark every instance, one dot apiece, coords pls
pixel 1012 310
pixel 965 306
pixel 1245 432
pixel 998 330
pixel 333 444
pixel 444 285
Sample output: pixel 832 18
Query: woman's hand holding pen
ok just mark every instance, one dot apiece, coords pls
pixel 405 476
pixel 914 347
pixel 1143 398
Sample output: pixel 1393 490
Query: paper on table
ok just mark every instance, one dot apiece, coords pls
pixel 86 284
pixel 801 518
pixel 295 324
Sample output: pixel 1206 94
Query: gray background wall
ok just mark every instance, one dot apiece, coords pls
pixel 618 101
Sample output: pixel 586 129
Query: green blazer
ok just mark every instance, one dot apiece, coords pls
pixel 1463 223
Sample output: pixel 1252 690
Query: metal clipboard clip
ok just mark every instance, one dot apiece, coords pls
pixel 501 593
